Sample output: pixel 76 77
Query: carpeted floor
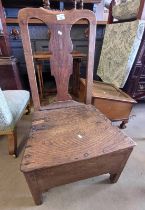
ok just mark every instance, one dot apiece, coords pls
pixel 91 194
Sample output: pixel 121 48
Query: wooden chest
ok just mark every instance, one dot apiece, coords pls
pixel 110 100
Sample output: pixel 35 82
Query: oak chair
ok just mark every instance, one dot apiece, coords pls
pixel 68 141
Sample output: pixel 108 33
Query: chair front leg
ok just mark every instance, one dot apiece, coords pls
pixel 12 143
pixel 28 109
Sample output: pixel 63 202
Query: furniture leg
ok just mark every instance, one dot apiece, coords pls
pixel 76 77
pixel 12 143
pixel 115 176
pixel 28 109
pixel 39 79
pixel 34 187
pixel 123 124
pixel 41 76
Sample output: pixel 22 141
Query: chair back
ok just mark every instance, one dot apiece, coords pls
pixel 60 47
pixel 121 44
pixel 128 10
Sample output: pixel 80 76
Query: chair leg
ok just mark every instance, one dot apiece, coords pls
pixel 34 187
pixel 28 109
pixel 12 143
pixel 115 176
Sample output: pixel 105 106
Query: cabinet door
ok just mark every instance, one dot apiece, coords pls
pixel 5 49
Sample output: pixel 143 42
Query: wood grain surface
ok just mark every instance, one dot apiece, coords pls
pixel 70 135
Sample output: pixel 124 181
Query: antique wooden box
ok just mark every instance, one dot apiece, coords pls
pixel 110 100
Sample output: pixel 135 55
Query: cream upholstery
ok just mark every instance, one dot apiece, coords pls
pixel 12 106
pixel 6 118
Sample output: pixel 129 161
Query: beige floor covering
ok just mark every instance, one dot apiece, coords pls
pixel 91 194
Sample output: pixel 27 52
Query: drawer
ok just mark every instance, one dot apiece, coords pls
pixel 143 71
pixel 137 70
pixel 141 57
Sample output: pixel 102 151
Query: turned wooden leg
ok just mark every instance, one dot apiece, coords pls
pixel 34 188
pixel 81 4
pixel 12 143
pixel 115 176
pixel 123 124
pixel 28 109
pixel 39 68
pixel 46 4
pixel 41 77
pixel 75 4
pixel 76 77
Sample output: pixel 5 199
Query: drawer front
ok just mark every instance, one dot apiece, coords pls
pixel 143 59
pixel 143 71
pixel 141 56
pixel 137 70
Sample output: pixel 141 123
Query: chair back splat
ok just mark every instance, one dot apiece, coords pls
pixel 61 61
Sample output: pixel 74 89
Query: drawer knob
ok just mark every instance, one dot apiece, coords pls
pixel 141 87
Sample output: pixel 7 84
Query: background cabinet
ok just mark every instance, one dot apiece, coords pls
pixel 9 74
pixel 135 85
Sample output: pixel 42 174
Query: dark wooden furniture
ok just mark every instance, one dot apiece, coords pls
pixel 111 101
pixel 135 85
pixel 5 49
pixel 45 56
pixel 9 74
pixel 68 141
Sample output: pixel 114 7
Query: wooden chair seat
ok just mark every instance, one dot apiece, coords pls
pixel 70 144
